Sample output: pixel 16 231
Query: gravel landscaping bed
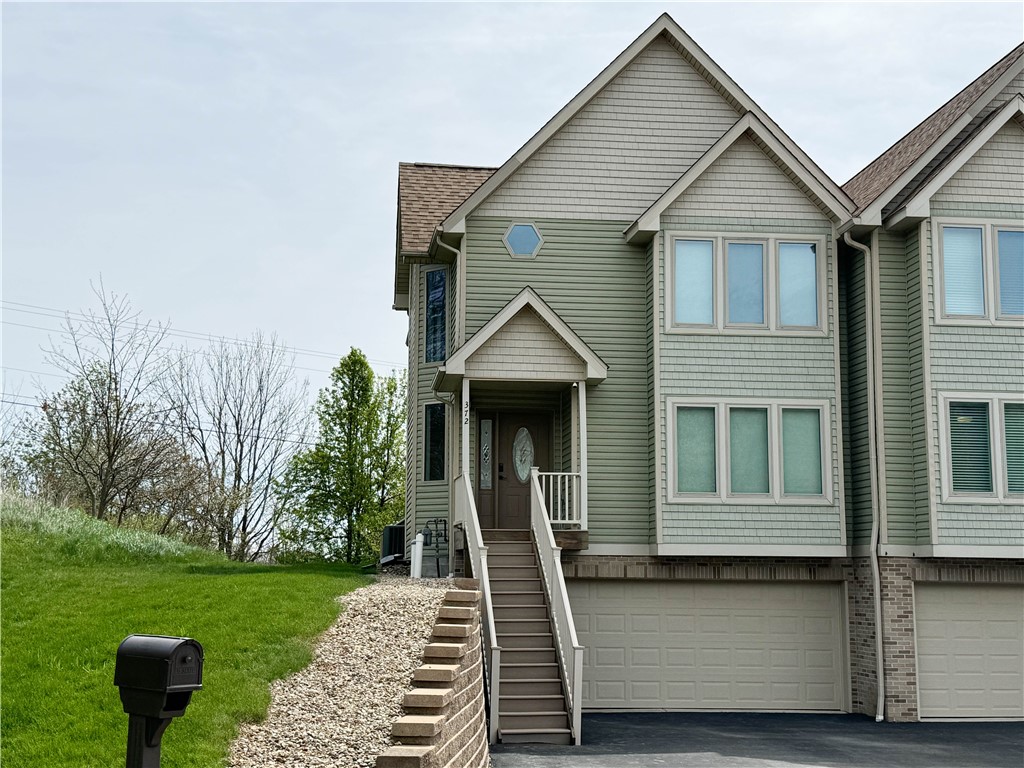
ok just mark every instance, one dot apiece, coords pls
pixel 338 711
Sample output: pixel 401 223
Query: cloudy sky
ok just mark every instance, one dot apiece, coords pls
pixel 233 166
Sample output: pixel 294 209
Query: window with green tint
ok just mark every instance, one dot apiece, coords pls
pixel 969 443
pixel 745 283
pixel 1013 415
pixel 1010 249
pixel 798 285
pixel 801 451
pixel 695 450
pixel 748 450
pixel 436 322
pixel 433 438
pixel 695 282
pixel 963 271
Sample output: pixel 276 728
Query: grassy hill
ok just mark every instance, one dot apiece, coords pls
pixel 73 588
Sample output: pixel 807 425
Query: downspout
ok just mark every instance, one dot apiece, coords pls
pixel 876 579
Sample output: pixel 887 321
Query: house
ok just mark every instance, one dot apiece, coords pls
pixel 718 433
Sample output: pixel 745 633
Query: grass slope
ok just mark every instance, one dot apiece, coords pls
pixel 73 588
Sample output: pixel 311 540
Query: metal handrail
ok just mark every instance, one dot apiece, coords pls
pixel 465 513
pixel 567 644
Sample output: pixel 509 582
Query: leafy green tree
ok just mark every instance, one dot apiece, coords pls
pixel 337 497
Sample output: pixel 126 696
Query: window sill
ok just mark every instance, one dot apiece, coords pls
pixel 685 330
pixel 753 501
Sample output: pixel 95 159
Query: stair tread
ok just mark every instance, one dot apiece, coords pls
pixel 514 731
pixel 529 663
pixel 522 696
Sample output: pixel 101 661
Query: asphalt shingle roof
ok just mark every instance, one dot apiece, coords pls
pixel 871 182
pixel 427 193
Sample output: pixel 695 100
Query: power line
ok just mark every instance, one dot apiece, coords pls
pixel 53 312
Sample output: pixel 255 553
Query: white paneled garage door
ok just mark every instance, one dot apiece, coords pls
pixel 710 645
pixel 970 650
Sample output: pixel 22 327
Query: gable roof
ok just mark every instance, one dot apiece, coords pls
pixel 665 26
pixel 886 176
pixel 450 374
pixel 427 192
pixel 649 222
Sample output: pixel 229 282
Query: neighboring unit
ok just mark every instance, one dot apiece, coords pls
pixel 732 428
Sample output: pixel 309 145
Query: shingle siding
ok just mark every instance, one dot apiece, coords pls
pixel 745 191
pixel 989 184
pixel 526 348
pixel 596 283
pixel 624 148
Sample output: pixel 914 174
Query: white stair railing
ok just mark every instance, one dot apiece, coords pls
pixel 567 645
pixel 465 514
pixel 561 492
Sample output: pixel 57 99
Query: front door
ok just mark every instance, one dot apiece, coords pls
pixel 519 440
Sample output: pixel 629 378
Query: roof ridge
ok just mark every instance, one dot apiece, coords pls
pixel 1004 61
pixel 448 165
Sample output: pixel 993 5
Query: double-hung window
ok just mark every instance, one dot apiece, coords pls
pixel 982 448
pixel 746 284
pixel 981 272
pixel 741 451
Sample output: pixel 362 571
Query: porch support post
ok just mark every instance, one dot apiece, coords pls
pixel 574 412
pixel 582 388
pixel 465 427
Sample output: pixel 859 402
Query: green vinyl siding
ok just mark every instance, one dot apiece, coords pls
pixel 898 427
pixel 596 283
pixel 855 408
pixel 917 395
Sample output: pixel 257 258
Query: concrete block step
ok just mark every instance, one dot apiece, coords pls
pixel 511 640
pixel 531 703
pixel 513 598
pixel 545 670
pixel 444 631
pixel 506 626
pixel 532 720
pixel 457 613
pixel 531 686
pixel 535 736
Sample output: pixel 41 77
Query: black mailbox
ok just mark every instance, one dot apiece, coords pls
pixel 156 676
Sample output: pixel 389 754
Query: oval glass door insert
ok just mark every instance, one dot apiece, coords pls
pixel 522 454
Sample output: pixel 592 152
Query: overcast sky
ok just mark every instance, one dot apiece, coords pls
pixel 234 166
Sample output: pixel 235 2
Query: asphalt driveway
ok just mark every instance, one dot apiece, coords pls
pixel 689 740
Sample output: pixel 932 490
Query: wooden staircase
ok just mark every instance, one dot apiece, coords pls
pixel 532 704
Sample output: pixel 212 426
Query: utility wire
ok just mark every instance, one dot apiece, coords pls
pixel 53 312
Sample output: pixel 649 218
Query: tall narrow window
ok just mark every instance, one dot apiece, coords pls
pixel 695 282
pixel 433 442
pixel 436 315
pixel 969 441
pixel 695 450
pixel 801 451
pixel 1010 253
pixel 963 271
pixel 1013 415
pixel 748 450
pixel 745 267
pixel 798 285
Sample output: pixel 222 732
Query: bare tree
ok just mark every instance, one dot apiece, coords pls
pixel 104 435
pixel 242 416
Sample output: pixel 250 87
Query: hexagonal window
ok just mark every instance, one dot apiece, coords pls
pixel 523 241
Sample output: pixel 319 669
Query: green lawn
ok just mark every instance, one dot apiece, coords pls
pixel 73 588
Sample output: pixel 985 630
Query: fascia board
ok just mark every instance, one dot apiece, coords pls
pixel 919 206
pixel 596 368
pixel 873 212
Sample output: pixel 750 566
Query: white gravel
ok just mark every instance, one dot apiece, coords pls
pixel 338 711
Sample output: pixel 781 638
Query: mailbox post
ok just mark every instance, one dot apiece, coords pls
pixel 156 676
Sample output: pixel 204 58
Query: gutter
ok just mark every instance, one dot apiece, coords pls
pixel 873 415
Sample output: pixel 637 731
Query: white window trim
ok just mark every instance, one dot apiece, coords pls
pixel 997 450
pixel 772 293
pixel 775 454
pixel 990 272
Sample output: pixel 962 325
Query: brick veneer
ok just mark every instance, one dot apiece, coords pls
pixel 898 576
pixel 445 725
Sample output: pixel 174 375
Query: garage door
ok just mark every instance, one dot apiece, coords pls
pixel 969 650
pixel 702 645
